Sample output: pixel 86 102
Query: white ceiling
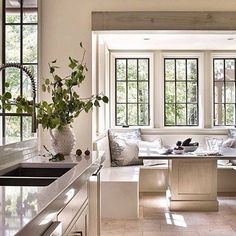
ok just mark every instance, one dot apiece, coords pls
pixel 191 40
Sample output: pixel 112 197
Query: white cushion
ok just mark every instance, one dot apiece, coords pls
pixel 146 146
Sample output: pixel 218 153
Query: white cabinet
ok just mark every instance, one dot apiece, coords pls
pixel 80 227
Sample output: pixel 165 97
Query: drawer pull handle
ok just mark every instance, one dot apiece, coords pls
pixel 77 233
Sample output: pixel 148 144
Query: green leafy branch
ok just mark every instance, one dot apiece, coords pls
pixel 66 103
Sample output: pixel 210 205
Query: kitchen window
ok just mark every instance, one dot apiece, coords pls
pixel 19 41
pixel 181 92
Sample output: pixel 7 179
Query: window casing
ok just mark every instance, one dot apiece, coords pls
pixel 224 87
pixel 181 102
pixel 19 41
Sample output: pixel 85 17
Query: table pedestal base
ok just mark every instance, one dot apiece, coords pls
pixel 193 185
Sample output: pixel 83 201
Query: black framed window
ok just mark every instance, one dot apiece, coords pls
pixel 224 84
pixel 132 99
pixel 19 43
pixel 181 92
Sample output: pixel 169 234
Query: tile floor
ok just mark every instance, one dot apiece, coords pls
pixel 156 220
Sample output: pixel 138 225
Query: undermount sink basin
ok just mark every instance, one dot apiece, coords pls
pixel 29 174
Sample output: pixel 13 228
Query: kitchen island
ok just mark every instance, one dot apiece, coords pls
pixel 31 210
pixel 192 179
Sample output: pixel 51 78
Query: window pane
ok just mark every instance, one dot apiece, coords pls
pixel 219 92
pixel 30 11
pixel 219 114
pixel 192 91
pixel 229 69
pixel 170 92
pixel 192 114
pixel 121 114
pixel 143 69
pixel 30 43
pixel 132 92
pixel 180 70
pixel 120 69
pixel 230 114
pixel 12 43
pixel 170 114
pixel 132 69
pixel 132 114
pixel 181 114
pixel 219 70
pixel 143 92
pixel 192 69
pixel 27 87
pixel 12 129
pixel 143 114
pixel 121 92
pixel 169 69
pixel 181 92
pixel 12 11
pixel 27 128
pixel 230 92
pixel 12 76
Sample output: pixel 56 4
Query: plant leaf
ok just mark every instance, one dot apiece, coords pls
pixel 105 99
pixel 43 87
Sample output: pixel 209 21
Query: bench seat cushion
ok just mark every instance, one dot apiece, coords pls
pixel 120 174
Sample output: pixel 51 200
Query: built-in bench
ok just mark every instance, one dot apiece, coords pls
pixel 120 186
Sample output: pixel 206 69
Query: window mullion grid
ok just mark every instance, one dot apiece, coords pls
pixel 197 93
pixel 235 92
pixel 3 71
pixel 148 92
pixel 137 64
pixel 224 96
pixel 126 71
pixel 116 92
pixel 21 62
pixel 186 91
pixel 214 103
pixel 175 93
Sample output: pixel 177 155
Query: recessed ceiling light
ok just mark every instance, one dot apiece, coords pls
pixel 146 39
pixel 230 39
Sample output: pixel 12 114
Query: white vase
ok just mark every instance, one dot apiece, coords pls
pixel 63 140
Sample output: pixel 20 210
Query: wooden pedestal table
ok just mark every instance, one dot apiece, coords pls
pixel 192 180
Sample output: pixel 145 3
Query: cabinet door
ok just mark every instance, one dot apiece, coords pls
pixel 80 227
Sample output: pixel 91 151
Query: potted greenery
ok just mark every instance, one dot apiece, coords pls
pixel 66 104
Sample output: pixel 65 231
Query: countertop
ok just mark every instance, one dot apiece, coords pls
pixel 21 205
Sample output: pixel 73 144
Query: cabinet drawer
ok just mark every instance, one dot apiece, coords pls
pixel 80 227
pixel 69 212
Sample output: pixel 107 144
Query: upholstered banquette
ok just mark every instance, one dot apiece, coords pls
pixel 120 186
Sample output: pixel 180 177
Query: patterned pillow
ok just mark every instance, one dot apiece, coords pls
pixel 124 151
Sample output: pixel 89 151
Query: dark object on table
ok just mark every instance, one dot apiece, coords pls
pixel 187 142
pixel 178 144
pixel 87 152
pixel 78 152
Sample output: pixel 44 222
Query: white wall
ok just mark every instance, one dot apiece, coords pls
pixel 67 22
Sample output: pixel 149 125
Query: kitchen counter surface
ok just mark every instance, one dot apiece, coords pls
pixel 21 205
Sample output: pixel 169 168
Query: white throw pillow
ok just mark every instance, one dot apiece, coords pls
pixel 154 146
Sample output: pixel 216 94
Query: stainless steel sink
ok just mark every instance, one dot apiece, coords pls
pixel 29 174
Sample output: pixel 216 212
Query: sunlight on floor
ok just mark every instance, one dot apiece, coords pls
pixel 174 219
